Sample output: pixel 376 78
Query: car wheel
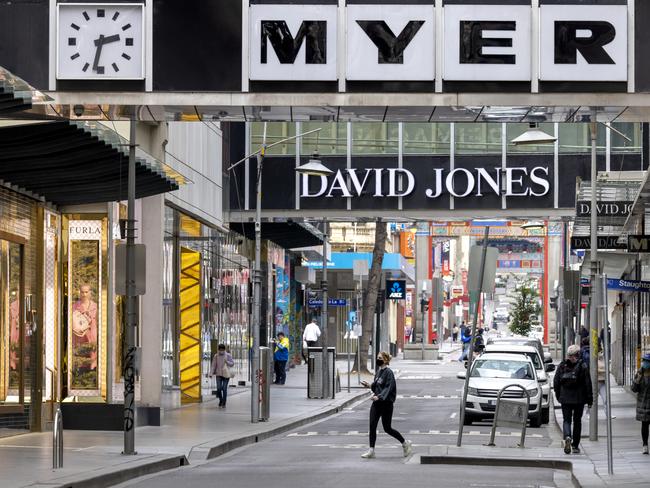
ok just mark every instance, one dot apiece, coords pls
pixel 536 421
pixel 545 415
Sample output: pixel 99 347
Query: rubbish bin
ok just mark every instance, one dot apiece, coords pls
pixel 266 378
pixel 315 370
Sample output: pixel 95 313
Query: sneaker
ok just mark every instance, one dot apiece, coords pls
pixel 575 450
pixel 645 449
pixel 407 446
pixel 567 445
pixel 369 454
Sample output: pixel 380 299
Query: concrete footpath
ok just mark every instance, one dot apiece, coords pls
pixel 191 434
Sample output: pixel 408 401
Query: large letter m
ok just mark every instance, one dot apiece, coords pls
pixel 286 46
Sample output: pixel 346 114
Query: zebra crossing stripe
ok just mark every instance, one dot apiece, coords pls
pixel 426 397
pixel 356 433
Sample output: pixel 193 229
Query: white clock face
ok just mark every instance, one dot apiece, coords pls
pixel 100 41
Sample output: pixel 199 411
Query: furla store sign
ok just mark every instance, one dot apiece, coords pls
pixel 398 42
pixel 399 182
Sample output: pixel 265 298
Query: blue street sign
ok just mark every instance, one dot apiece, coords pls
pixel 628 285
pixel 332 302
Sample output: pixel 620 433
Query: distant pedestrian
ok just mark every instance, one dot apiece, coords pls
pixel 584 332
pixel 408 331
pixel 466 339
pixel 454 333
pixel 221 364
pixel 641 386
pixel 384 391
pixel 585 351
pixel 478 344
pixel 280 358
pixel 310 336
pixel 572 386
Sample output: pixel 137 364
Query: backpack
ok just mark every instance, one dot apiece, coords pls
pixel 569 377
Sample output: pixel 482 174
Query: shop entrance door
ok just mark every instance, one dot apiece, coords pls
pixel 190 325
pixel 14 341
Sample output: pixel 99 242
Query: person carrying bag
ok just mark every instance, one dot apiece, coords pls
pixel 221 364
pixel 641 386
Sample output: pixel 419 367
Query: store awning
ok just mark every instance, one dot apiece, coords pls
pixel 287 235
pixel 71 163
pixel 16 95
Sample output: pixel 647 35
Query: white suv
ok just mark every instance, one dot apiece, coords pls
pixel 491 372
pixel 541 368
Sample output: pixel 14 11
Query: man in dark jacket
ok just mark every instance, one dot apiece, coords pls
pixel 572 386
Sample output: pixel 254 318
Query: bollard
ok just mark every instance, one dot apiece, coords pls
pixel 57 441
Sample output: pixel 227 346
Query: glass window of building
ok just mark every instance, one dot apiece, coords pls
pixel 631 130
pixel 576 138
pixel 275 131
pixel 474 138
pixel 375 138
pixel 426 138
pixel 332 139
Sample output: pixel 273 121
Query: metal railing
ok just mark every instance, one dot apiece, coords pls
pixel 57 440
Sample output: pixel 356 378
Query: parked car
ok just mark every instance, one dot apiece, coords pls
pixel 490 372
pixel 541 369
pixel 523 341
pixel 536 332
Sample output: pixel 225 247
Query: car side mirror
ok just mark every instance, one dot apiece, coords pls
pixel 550 367
pixel 461 375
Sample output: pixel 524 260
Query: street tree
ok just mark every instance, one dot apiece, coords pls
pixel 370 294
pixel 525 309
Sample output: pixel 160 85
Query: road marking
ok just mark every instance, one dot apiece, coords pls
pixel 453 415
pixel 420 377
pixel 427 397
pixel 356 433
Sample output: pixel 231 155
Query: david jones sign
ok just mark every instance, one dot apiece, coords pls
pixel 398 42
pixel 399 182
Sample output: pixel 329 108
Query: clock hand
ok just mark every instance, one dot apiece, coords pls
pixel 107 40
pixel 98 52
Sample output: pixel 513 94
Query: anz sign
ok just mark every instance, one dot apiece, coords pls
pixel 487 42
pixel 396 289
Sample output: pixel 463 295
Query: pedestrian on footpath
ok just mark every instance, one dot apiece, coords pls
pixel 221 364
pixel 572 386
pixel 384 391
pixel 280 358
pixel 310 336
pixel 466 339
pixel 454 333
pixel 641 386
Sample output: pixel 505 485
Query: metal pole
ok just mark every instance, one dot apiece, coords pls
pixel 325 361
pixel 57 440
pixel 131 304
pixel 608 396
pixel 349 346
pixel 257 288
pixel 359 321
pixel 593 310
pixel 470 354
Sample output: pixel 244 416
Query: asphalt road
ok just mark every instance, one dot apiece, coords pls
pixel 327 453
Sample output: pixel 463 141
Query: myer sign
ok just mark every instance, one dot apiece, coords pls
pixel 398 42
pixel 459 182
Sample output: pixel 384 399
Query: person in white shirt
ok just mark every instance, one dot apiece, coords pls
pixel 309 337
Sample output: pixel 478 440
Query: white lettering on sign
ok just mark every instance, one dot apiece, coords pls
pixel 460 182
pixel 300 42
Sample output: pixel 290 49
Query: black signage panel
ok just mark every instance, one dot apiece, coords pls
pixel 396 289
pixel 638 243
pixel 604 242
pixel 604 209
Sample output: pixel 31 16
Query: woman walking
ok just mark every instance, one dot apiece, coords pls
pixel 641 386
pixel 221 364
pixel 384 392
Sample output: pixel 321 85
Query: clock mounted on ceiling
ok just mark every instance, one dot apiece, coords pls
pixel 100 41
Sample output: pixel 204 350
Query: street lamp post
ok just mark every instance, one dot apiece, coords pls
pixel 324 321
pixel 313 167
pixel 594 311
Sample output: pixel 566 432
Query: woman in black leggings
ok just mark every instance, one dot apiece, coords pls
pixel 641 386
pixel 384 392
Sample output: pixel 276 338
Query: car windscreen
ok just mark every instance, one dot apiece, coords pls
pixel 534 357
pixel 502 368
